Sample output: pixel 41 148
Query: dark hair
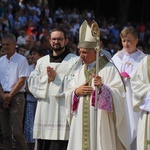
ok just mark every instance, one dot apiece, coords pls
pixel 61 29
pixel 23 46
pixel 44 38
pixel 36 50
pixel 140 43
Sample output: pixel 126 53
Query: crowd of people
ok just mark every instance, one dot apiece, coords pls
pixel 22 18
pixel 53 96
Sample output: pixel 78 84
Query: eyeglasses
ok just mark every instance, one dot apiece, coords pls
pixel 58 39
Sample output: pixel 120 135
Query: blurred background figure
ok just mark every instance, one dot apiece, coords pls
pixel 31 101
pixel 22 49
pixel 21 39
pixel 45 44
pixel 30 42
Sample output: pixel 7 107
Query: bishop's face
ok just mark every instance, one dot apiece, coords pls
pixel 87 55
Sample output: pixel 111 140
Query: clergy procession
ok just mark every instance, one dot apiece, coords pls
pixel 68 101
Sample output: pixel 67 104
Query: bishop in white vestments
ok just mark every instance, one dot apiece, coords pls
pixel 104 128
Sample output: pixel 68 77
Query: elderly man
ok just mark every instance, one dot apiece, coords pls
pixel 102 127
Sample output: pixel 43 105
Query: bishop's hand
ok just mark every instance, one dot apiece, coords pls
pixel 84 90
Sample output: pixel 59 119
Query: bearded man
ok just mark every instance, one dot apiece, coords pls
pixel 47 83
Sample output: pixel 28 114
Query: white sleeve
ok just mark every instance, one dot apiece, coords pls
pixel 145 105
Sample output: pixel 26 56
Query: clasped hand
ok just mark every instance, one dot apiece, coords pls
pixel 6 100
pixel 51 74
pixel 85 89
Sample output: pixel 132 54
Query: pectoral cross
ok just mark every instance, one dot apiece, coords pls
pixel 128 63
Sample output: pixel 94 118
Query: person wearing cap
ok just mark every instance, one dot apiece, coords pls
pixel 47 83
pixel 127 61
pixel 95 128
